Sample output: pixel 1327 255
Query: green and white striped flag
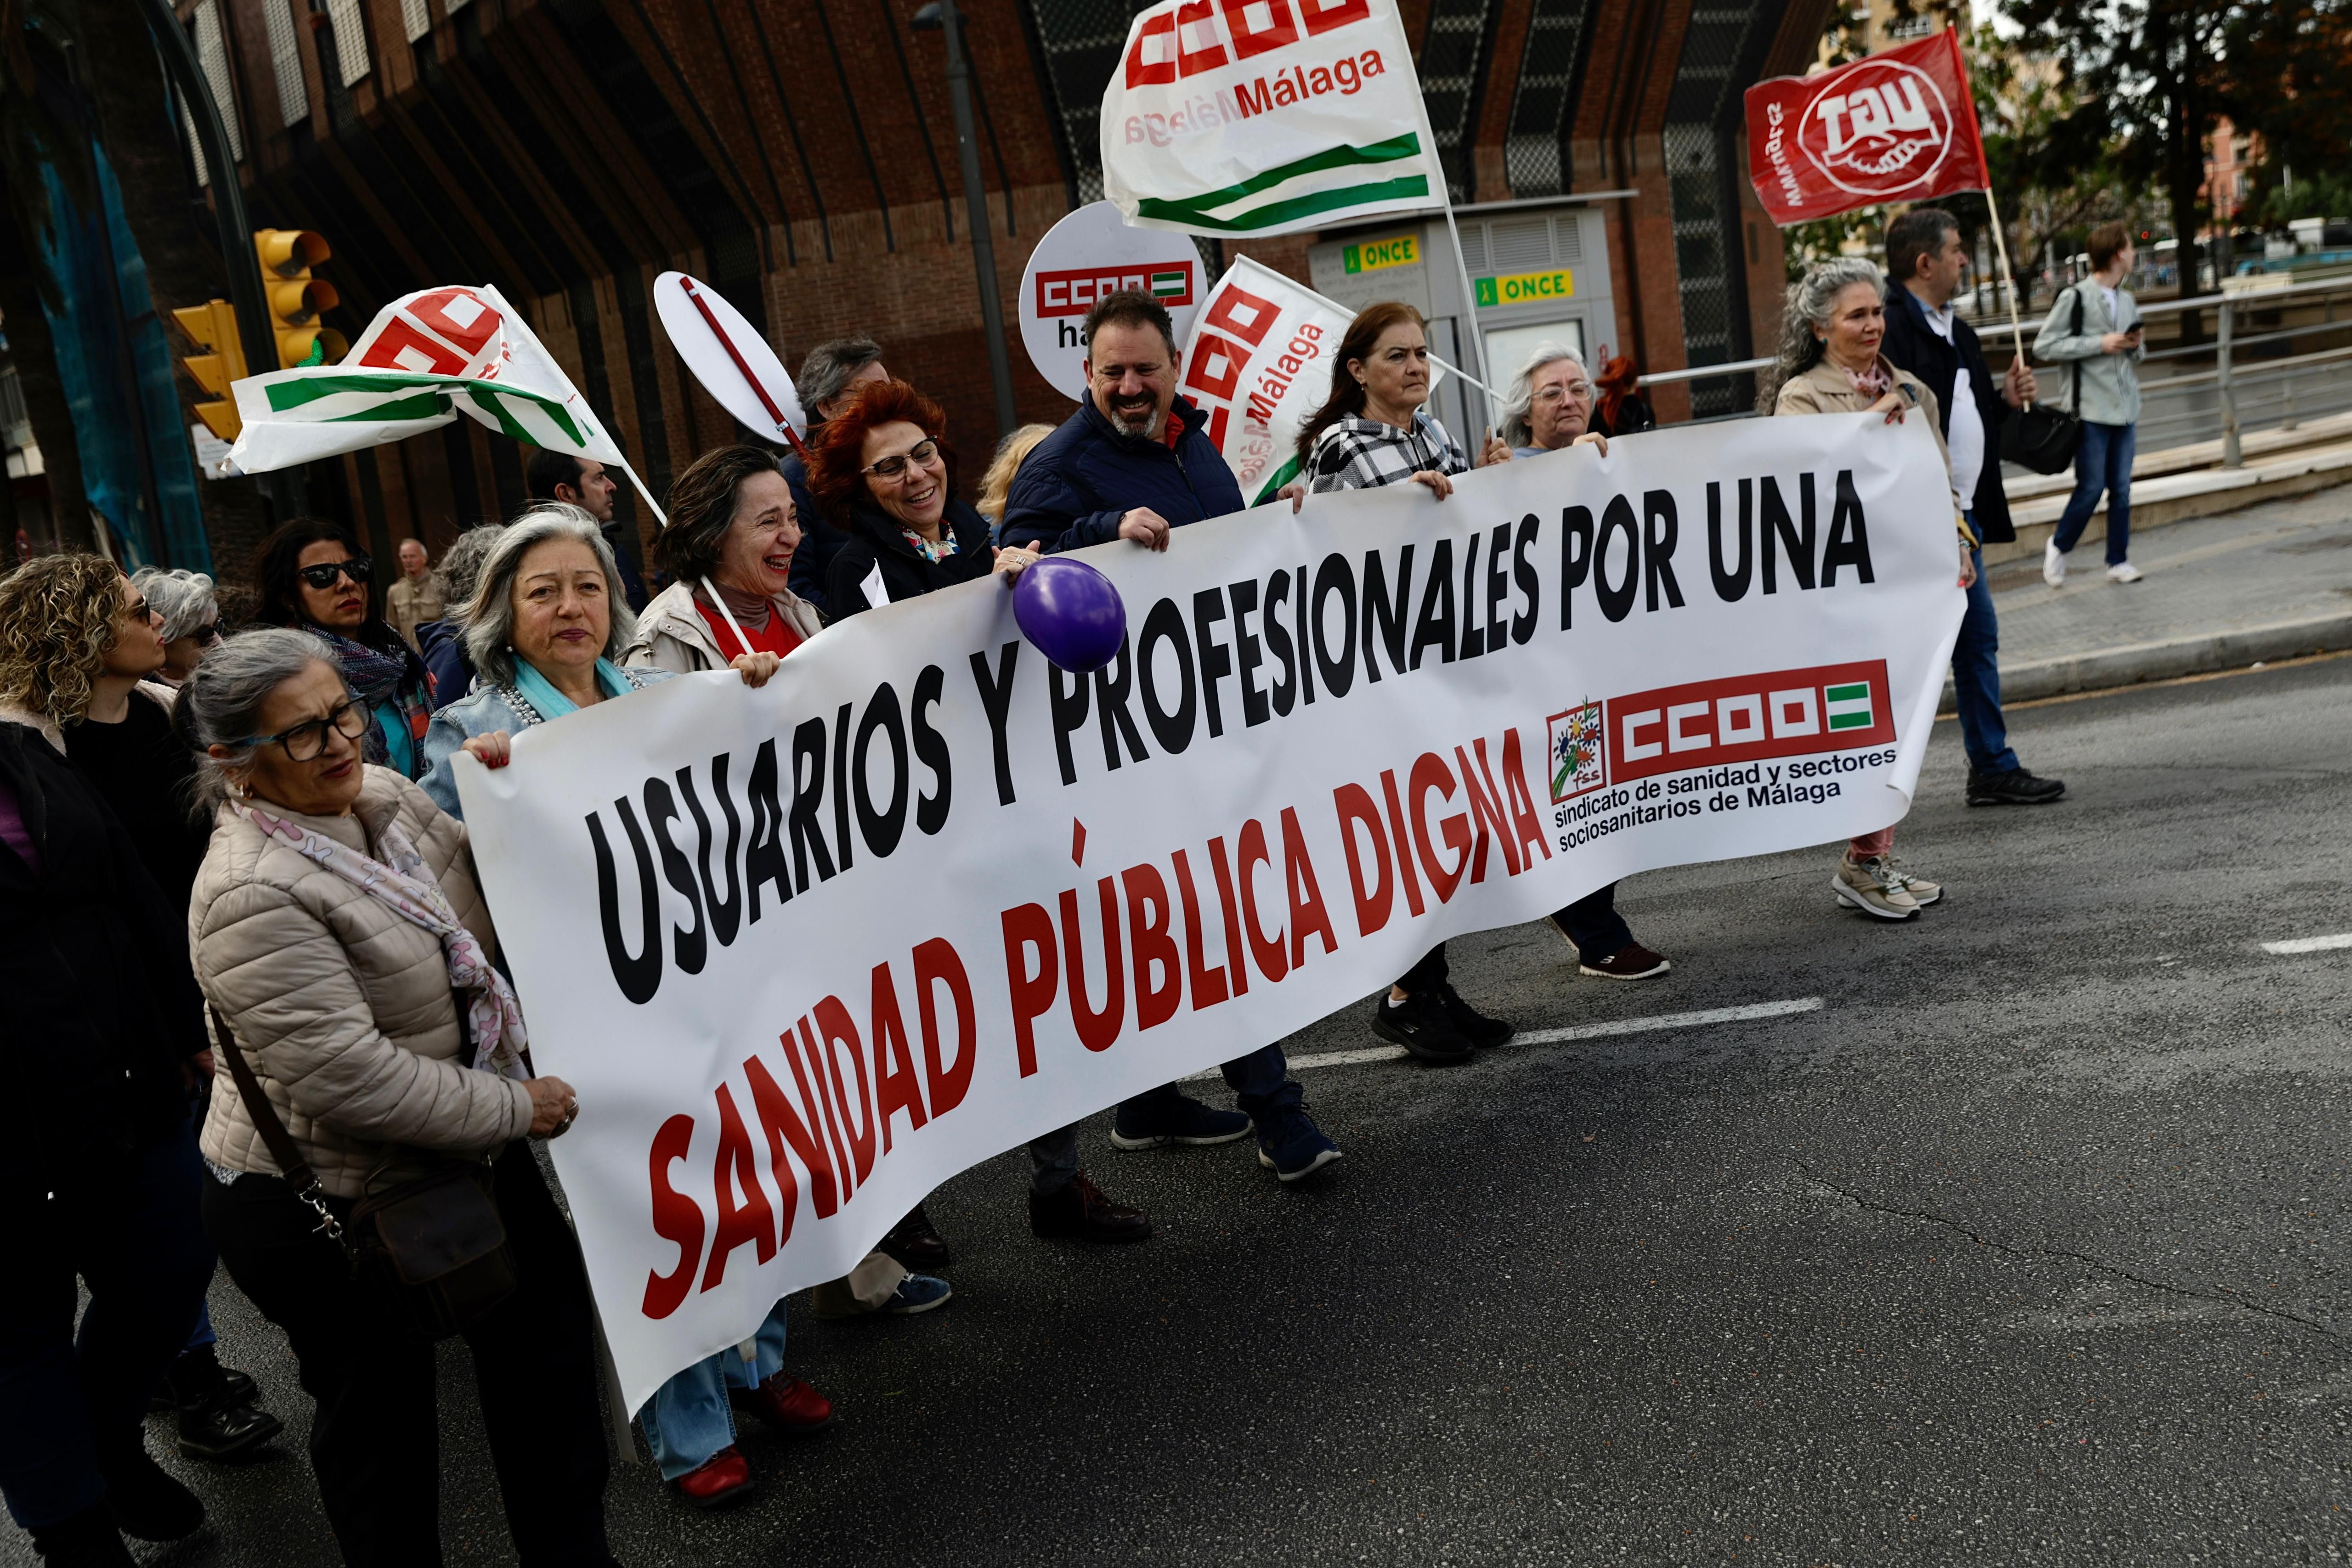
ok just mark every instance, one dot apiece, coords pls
pixel 1266 117
pixel 426 358
pixel 1848 706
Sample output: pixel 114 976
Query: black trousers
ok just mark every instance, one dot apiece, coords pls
pixel 375 1436
pixel 1591 922
pixel 71 1401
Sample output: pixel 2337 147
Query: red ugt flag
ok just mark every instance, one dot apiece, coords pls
pixel 1897 127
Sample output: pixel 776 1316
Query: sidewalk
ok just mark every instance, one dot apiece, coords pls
pixel 2268 583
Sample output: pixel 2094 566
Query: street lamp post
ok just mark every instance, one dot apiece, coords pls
pixel 943 16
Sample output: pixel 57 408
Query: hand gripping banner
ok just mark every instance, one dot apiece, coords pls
pixel 808 951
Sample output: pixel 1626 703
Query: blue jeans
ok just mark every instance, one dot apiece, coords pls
pixel 71 1403
pixel 1261 1084
pixel 2101 463
pixel 688 1418
pixel 1976 679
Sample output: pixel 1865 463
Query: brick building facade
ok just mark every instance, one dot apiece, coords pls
pixel 801 157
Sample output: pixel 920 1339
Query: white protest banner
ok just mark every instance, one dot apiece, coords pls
pixel 1265 117
pixel 426 358
pixel 1257 364
pixel 1091 253
pixel 808 951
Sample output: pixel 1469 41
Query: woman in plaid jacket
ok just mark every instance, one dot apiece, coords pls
pixel 1373 431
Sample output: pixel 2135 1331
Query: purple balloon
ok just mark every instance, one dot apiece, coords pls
pixel 1071 613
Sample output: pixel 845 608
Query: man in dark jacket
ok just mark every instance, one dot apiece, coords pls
pixel 1135 460
pixel 1925 337
pixel 1132 462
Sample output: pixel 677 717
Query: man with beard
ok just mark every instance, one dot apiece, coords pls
pixel 1132 462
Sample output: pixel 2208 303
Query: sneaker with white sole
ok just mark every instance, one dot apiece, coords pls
pixel 2124 571
pixel 2053 565
pixel 1922 892
pixel 1874 887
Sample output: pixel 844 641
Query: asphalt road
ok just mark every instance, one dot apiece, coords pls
pixel 2026 1247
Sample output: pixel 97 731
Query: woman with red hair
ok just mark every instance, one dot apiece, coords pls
pixel 881 475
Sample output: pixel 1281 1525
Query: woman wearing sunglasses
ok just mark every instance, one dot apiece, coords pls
pixel 312 575
pixel 100 1039
pixel 188 615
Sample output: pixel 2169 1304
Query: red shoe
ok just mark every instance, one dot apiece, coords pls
pixel 722 1477
pixel 786 1404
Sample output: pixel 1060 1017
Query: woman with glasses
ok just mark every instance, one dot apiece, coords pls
pixel 340 937
pixel 100 1039
pixel 882 476
pixel 313 575
pixel 189 614
pixel 727 551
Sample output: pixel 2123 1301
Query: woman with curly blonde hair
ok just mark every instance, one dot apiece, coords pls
pixel 101 1034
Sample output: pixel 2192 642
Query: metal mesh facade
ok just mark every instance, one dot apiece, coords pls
pixel 1719 57
pixel 1543 108
pixel 1453 60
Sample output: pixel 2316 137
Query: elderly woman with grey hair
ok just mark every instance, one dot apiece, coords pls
pixel 340 938
pixel 1548 405
pixel 1830 362
pixel 190 616
pixel 542 628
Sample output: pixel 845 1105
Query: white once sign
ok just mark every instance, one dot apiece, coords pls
pixel 809 950
pixel 1087 255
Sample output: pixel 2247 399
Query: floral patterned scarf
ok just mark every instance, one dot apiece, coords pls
pixel 492 1014
pixel 379 678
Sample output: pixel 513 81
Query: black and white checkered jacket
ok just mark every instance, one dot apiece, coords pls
pixel 1358 454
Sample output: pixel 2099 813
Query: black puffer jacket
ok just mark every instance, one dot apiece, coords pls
pixel 876 544
pixel 101 1008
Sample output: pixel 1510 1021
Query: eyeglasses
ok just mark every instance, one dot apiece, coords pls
pixel 1580 391
pixel 205 636
pixel 358 568
pixel 138 609
pixel 308 741
pixel 892 466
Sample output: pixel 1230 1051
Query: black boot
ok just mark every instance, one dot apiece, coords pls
pixel 147 1505
pixel 88 1540
pixel 916 1245
pixel 199 1378
pixel 224 1429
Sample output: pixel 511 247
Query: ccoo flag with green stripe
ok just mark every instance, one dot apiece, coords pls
pixel 426 358
pixel 1265 117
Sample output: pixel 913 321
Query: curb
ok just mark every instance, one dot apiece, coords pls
pixel 2240 489
pixel 2138 662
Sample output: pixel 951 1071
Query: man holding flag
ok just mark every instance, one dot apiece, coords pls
pixel 1926 265
pixel 1901 126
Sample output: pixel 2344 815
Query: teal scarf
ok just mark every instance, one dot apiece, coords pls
pixel 540 692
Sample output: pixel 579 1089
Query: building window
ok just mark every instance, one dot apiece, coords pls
pixel 286 62
pixel 1910 27
pixel 1452 59
pixel 414 20
pixel 1543 104
pixel 351 39
pixel 1702 121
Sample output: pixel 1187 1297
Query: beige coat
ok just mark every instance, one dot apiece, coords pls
pixel 672 634
pixel 1824 389
pixel 344 1007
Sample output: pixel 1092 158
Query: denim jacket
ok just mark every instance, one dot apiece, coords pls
pixel 490 706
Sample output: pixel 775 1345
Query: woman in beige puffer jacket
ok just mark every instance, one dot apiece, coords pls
pixel 345 1007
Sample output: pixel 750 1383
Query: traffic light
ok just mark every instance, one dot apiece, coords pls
pixel 296 299
pixel 212 327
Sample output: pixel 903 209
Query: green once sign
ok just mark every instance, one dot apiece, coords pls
pixel 1524 287
pixel 1372 254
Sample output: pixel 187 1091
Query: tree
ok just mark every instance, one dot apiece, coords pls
pixel 2146 80
pixel 2291 68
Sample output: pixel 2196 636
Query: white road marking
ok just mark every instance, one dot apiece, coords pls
pixel 2311 944
pixel 1698 1019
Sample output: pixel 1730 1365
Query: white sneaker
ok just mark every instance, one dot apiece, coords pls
pixel 2124 571
pixel 2053 565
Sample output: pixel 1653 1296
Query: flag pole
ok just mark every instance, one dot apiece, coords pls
pixel 1469 309
pixel 1992 210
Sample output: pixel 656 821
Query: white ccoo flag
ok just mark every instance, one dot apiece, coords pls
pixel 1264 117
pixel 426 358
